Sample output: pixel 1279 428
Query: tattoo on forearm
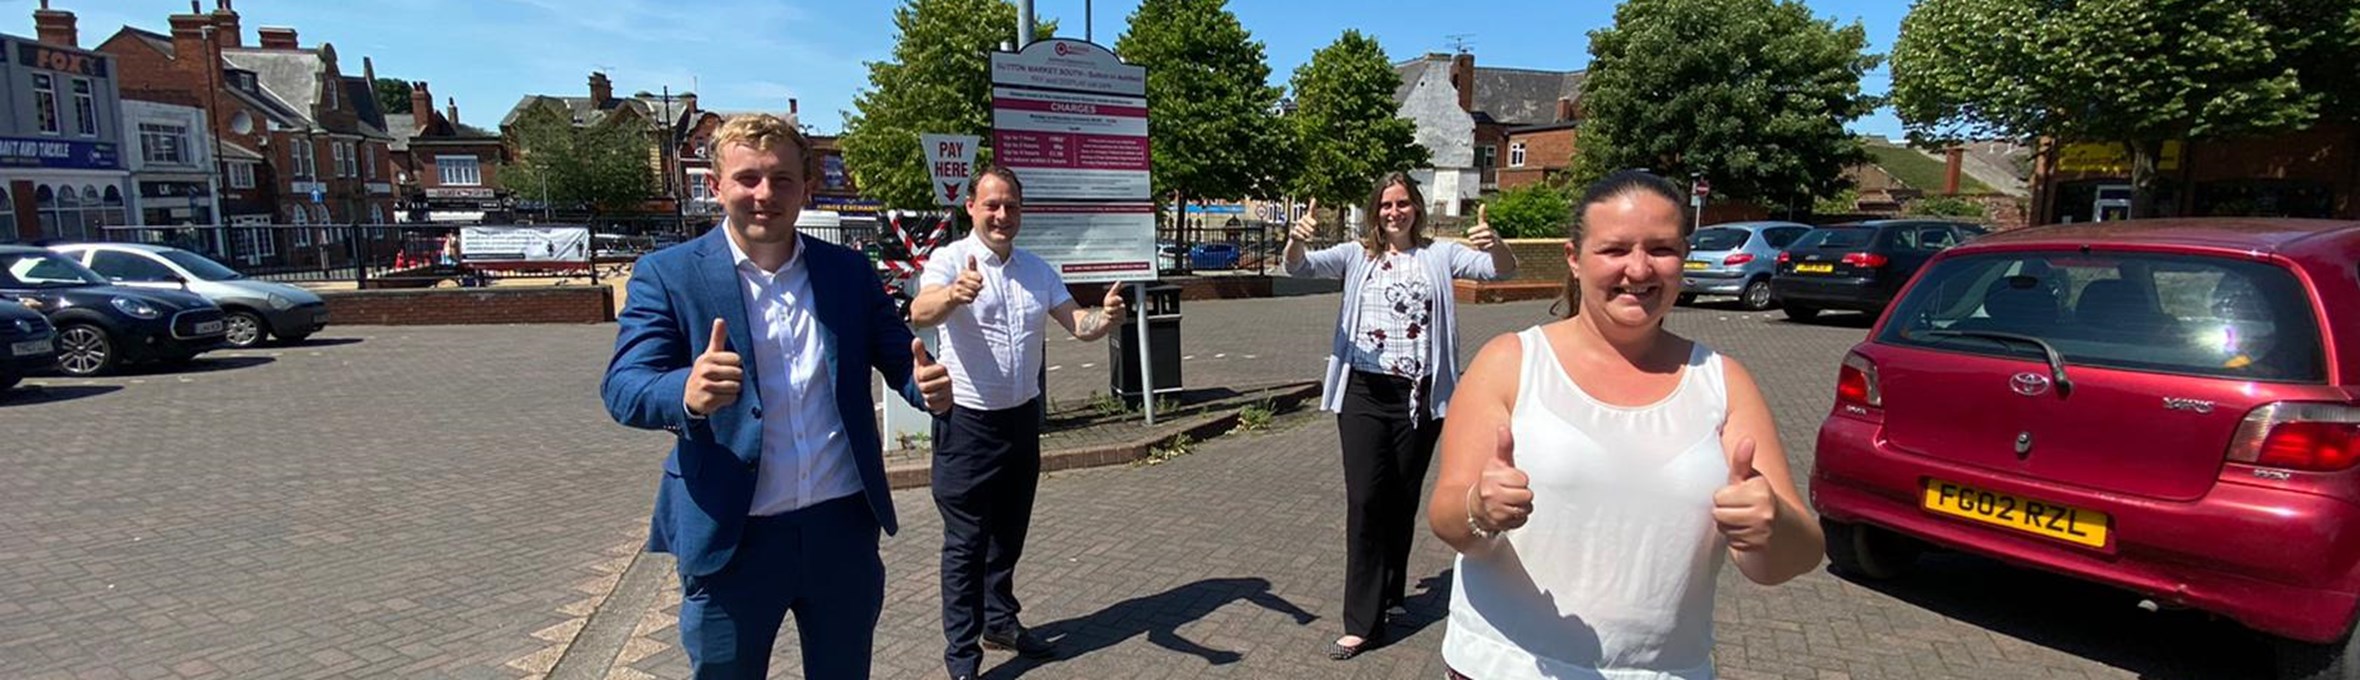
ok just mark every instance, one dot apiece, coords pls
pixel 1094 321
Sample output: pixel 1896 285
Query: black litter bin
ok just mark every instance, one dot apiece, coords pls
pixel 1162 309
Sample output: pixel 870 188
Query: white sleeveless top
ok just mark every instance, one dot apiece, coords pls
pixel 1612 576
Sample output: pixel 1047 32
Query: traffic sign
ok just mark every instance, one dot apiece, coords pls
pixel 951 160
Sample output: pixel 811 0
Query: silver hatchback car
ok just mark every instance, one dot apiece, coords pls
pixel 1736 258
pixel 257 310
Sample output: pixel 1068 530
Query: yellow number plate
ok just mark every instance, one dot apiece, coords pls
pixel 2061 522
pixel 1693 265
pixel 1814 268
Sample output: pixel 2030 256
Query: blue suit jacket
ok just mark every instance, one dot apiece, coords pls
pixel 709 477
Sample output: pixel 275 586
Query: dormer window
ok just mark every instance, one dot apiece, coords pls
pixel 331 88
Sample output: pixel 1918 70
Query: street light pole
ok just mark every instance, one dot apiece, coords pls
pixel 1024 23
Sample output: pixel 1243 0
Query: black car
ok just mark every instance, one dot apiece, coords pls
pixel 100 325
pixel 1859 266
pixel 27 343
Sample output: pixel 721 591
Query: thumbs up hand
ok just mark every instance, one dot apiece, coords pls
pixel 1503 496
pixel 934 380
pixel 1481 236
pixel 1306 226
pixel 714 381
pixel 1745 508
pixel 970 284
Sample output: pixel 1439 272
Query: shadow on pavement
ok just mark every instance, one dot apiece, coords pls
pixel 197 365
pixel 1428 606
pixel 29 395
pixel 313 342
pixel 2086 620
pixel 1157 616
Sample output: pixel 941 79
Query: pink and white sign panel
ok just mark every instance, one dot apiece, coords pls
pixel 1068 146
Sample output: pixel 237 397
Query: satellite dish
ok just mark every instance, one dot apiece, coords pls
pixel 241 123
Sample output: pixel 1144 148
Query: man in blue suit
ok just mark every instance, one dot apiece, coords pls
pixel 774 496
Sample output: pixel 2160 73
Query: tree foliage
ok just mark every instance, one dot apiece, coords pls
pixel 1531 211
pixel 602 168
pixel 393 95
pixel 1751 94
pixel 938 82
pixel 2133 72
pixel 1212 123
pixel 1346 128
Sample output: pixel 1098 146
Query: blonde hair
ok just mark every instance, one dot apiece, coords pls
pixel 761 132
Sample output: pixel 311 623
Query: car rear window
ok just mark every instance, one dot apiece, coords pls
pixel 2180 314
pixel 1719 239
pixel 1850 237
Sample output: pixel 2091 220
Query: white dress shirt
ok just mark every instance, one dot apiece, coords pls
pixel 805 456
pixel 992 346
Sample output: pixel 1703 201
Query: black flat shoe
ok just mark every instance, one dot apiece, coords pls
pixel 1339 652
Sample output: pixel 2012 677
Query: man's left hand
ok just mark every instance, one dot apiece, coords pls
pixel 934 380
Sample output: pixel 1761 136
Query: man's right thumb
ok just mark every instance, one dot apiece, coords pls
pixel 1504 449
pixel 970 263
pixel 719 342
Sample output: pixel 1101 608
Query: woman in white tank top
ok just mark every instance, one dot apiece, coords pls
pixel 1596 469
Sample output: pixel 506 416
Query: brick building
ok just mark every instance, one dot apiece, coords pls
pixel 1467 117
pixel 2307 173
pixel 648 113
pixel 832 190
pixel 301 142
pixel 62 173
pixel 447 171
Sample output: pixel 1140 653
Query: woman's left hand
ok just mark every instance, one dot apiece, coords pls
pixel 1745 509
pixel 1481 236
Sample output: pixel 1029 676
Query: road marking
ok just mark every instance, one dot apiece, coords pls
pixel 1249 356
pixel 1088 365
pixel 1223 355
pixel 1056 367
pixel 1190 357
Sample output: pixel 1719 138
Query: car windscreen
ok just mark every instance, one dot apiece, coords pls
pixel 1718 239
pixel 45 270
pixel 2153 312
pixel 1835 237
pixel 203 267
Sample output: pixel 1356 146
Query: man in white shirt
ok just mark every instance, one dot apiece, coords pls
pixel 991 300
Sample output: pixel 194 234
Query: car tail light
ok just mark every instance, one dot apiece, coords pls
pixel 1785 257
pixel 1869 260
pixel 1737 259
pixel 1856 383
pixel 2298 436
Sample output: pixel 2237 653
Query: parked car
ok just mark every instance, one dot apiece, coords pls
pixel 1736 258
pixel 255 310
pixel 1859 266
pixel 1213 256
pixel 2169 407
pixel 27 343
pixel 1168 256
pixel 101 326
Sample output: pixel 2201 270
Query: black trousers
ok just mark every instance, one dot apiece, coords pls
pixel 987 465
pixel 1386 452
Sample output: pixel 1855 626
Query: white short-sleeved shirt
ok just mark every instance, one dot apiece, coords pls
pixel 992 346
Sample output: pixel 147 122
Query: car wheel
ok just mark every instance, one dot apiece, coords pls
pixel 2298 660
pixel 84 350
pixel 1801 313
pixel 1756 296
pixel 1868 551
pixel 244 329
pixel 1685 299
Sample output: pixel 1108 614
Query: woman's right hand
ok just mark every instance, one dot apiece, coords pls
pixel 1307 225
pixel 1503 495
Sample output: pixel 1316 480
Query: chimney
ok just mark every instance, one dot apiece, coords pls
pixel 1954 157
pixel 454 101
pixel 55 27
pixel 794 108
pixel 1462 76
pixel 421 105
pixel 602 91
pixel 225 24
pixel 369 73
pixel 1564 109
pixel 277 38
pixel 188 44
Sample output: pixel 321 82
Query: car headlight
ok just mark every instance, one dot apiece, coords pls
pixel 137 308
pixel 281 302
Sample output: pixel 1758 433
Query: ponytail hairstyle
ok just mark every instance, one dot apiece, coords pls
pixel 1617 185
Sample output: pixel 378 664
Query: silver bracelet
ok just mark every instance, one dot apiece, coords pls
pixel 1473 525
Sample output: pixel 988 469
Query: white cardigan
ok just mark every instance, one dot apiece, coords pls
pixel 1444 261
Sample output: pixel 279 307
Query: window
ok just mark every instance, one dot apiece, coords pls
pixel 1781 237
pixel 305 164
pixel 1836 237
pixel 122 266
pixel 85 108
pixel 369 169
pixel 1718 239
pixel 1516 155
pixel 331 88
pixel 458 170
pixel 1487 156
pixel 296 215
pixel 376 214
pixel 241 175
pixel 164 143
pixel 45 102
pixel 343 152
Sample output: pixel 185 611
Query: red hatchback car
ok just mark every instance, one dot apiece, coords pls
pixel 2170 407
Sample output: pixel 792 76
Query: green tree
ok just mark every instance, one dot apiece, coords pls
pixel 1534 210
pixel 1751 94
pixel 1212 123
pixel 1347 132
pixel 1945 206
pixel 938 81
pixel 393 95
pixel 602 168
pixel 2133 72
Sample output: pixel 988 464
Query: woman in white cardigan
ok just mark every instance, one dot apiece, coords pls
pixel 1389 380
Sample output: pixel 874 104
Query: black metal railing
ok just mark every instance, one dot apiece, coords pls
pixel 392 255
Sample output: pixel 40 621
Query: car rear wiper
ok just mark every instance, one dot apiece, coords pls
pixel 2056 358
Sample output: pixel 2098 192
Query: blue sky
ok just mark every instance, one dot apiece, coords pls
pixel 755 54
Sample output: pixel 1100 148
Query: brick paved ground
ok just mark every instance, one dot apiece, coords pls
pixel 451 502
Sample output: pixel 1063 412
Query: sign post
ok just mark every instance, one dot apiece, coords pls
pixel 1696 195
pixel 951 160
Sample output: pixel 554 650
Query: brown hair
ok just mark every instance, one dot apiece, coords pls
pixel 1372 239
pixel 996 170
pixel 1619 184
pixel 761 132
